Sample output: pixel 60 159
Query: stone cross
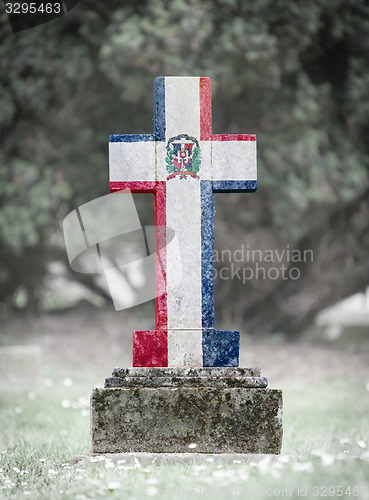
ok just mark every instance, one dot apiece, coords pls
pixel 183 164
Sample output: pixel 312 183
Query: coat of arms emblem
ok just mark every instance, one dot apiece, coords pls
pixel 183 157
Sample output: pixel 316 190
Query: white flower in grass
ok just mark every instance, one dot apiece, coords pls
pixel 219 474
pixel 367 386
pixel 210 459
pixel 15 469
pixel 42 460
pixel 65 403
pixel 361 444
pixel 18 410
pixel 114 485
pixel 26 492
pixel 94 459
pixel 327 460
pixel 52 472
pixel 152 491
pixel 84 402
pixel 67 382
pixel 85 413
pixel 199 467
pixel 109 465
pixel 8 483
pixel 264 464
pixel 32 396
pixel 152 480
pixel 192 446
pixel 243 474
pixel 303 467
pixel 275 473
pixel 121 461
pixel 344 440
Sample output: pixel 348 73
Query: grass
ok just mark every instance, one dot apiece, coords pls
pixel 325 451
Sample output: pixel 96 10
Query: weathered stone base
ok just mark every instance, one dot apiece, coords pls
pixel 218 415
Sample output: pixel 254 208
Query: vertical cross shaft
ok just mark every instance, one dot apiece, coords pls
pixel 183 163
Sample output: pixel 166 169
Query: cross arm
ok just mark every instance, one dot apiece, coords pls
pixel 234 162
pixel 132 162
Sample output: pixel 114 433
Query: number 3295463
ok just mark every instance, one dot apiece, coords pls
pixel 33 8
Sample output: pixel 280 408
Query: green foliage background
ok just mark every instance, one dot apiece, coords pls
pixel 294 73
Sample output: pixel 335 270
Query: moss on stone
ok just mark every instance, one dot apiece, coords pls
pixel 168 420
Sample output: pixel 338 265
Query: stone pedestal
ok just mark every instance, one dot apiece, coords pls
pixel 164 410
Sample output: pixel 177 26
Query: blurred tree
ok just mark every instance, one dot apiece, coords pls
pixel 296 74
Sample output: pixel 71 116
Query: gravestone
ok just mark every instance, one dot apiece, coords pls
pixel 185 386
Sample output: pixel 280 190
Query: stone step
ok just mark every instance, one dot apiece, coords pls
pixel 186 372
pixel 251 382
